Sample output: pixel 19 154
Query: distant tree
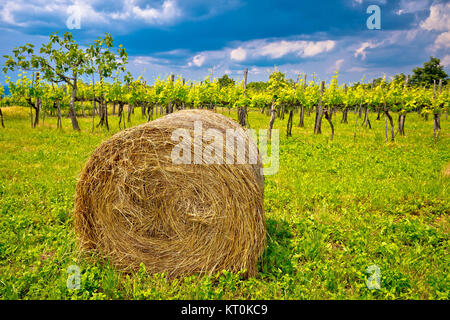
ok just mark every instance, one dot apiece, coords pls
pixel 258 85
pixel 399 78
pixel 432 70
pixel 226 81
pixel 377 81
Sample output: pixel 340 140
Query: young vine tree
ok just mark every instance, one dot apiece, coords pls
pixel 62 60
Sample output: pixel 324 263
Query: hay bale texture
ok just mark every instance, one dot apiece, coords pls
pixel 133 205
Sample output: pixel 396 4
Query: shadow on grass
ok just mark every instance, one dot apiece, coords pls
pixel 277 256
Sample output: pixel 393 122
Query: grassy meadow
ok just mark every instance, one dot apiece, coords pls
pixel 334 209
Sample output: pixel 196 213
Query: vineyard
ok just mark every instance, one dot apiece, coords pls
pixel 281 98
pixel 363 179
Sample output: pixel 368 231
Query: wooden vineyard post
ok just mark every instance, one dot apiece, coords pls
pixel 36 104
pixel 318 122
pixel 130 111
pixel 272 118
pixel 1 118
pixel 356 120
pixel 245 94
pixel 105 104
pixel 1 114
pixel 366 111
pixel 437 118
pixel 327 113
pixel 245 79
pixel 385 127
pixel 402 115
pixel 93 102
pixel 289 124
pixel 290 120
pixel 31 107
pixel 242 111
pixel 301 124
pixel 59 123
pixel 387 116
pixel 345 109
pixel 183 105
pixel 170 108
pixel 440 92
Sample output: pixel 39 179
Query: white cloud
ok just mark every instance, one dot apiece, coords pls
pixel 147 60
pixel 128 11
pixel 336 66
pixel 131 11
pixel 10 12
pixel 7 13
pixel 257 70
pixel 442 41
pixel 439 19
pixel 226 58
pixel 412 6
pixel 314 48
pixel 357 69
pixel 361 51
pixel 141 60
pixel 168 12
pixel 411 34
pixel 446 61
pixel 266 48
pixel 339 64
pixel 86 12
pixel 278 49
pixel 197 60
pixel 238 54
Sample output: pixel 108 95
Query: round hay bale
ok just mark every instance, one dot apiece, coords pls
pixel 134 205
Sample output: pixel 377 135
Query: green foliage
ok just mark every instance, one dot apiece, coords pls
pixel 432 71
pixel 399 78
pixel 257 85
pixel 225 81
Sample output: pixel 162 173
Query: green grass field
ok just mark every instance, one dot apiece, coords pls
pixel 333 209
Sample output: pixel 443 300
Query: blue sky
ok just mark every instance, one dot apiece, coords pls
pixel 195 37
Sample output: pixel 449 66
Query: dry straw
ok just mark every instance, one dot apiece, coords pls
pixel 134 205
